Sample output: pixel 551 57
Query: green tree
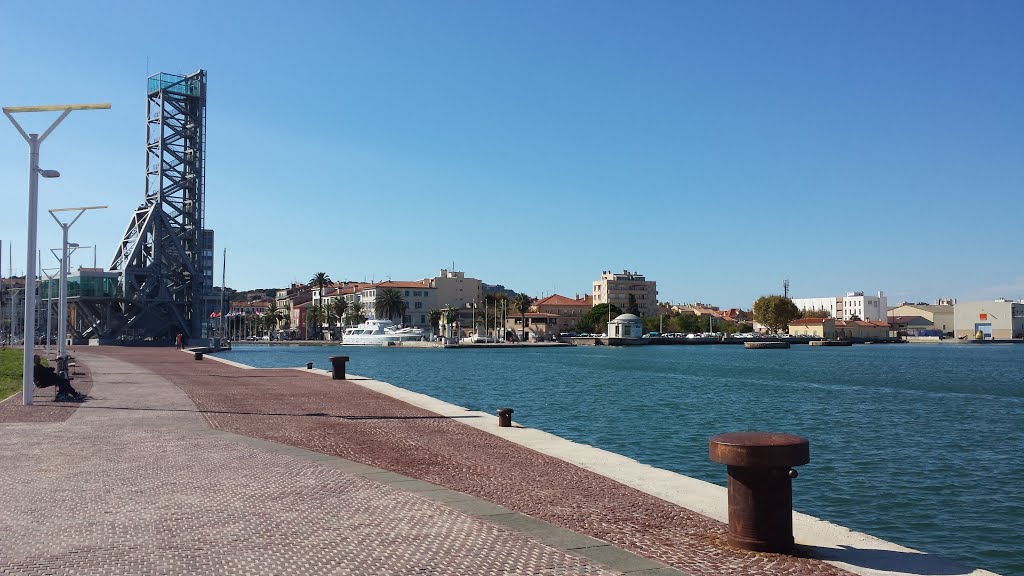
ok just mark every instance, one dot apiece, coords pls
pixel 355 314
pixel 316 316
pixel 320 279
pixel 522 303
pixel 338 308
pixel 775 312
pixel 434 315
pixel 854 317
pixel 596 320
pixel 272 316
pixel 631 306
pixel 389 303
pixel 816 314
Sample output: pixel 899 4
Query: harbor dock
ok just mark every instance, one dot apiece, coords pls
pixel 185 465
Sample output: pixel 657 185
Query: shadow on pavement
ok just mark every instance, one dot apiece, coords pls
pixel 305 414
pixel 888 560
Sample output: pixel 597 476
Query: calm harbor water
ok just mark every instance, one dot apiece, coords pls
pixel 918 444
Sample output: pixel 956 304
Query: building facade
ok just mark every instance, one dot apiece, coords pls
pixel 615 288
pixel 994 320
pixel 813 327
pixel 868 308
pixel 940 315
pixel 562 313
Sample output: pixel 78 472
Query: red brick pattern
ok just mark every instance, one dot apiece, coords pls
pixel 343 419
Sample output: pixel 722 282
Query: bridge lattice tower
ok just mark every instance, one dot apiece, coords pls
pixel 160 257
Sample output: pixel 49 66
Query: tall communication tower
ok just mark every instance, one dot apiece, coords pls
pixel 164 279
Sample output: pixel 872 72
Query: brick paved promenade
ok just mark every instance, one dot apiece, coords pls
pixel 177 466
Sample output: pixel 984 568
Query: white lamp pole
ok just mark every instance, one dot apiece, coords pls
pixel 49 305
pixel 34 141
pixel 62 326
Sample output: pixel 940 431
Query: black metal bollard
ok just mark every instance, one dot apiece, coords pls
pixel 760 486
pixel 198 355
pixel 505 417
pixel 338 366
pixel 309 365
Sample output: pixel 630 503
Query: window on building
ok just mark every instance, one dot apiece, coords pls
pixel 417 305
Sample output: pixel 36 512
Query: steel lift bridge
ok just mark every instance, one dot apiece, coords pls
pixel 163 286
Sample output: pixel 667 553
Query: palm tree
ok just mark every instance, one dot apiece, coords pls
pixel 389 303
pixel 272 316
pixel 316 316
pixel 355 313
pixel 337 311
pixel 522 303
pixel 434 315
pixel 320 279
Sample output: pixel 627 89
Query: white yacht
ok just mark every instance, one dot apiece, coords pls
pixel 380 332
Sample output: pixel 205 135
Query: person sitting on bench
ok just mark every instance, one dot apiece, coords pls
pixel 45 377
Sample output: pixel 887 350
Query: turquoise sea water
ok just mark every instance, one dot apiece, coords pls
pixel 918 444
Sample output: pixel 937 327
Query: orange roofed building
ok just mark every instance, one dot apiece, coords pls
pixel 559 313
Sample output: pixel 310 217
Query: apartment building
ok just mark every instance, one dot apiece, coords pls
pixel 615 287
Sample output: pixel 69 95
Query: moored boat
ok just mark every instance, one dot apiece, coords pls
pixel 380 333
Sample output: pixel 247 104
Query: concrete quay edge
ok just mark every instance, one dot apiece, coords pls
pixel 840 546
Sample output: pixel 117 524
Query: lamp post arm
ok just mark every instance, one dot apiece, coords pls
pixel 55 123
pixel 18 126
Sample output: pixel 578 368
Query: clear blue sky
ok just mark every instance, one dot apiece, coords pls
pixel 717 147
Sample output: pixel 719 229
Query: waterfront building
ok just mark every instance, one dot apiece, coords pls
pixel 419 297
pixel 995 319
pixel 939 315
pixel 912 326
pixel 539 325
pixel 615 288
pixel 562 314
pixel 815 327
pixel 861 329
pixel 453 289
pixel 626 326
pixel 868 308
pixel 254 308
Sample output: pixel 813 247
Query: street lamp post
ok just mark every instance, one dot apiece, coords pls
pixel 49 304
pixel 34 141
pixel 62 326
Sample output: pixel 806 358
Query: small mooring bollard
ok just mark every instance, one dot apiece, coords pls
pixel 309 365
pixel 338 366
pixel 760 486
pixel 198 355
pixel 505 417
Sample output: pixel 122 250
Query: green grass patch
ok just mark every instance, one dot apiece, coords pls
pixel 10 371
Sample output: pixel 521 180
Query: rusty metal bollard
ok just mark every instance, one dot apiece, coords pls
pixel 198 355
pixel 338 366
pixel 505 417
pixel 309 365
pixel 760 486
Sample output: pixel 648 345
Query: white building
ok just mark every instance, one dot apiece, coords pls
pixel 626 326
pixel 867 308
